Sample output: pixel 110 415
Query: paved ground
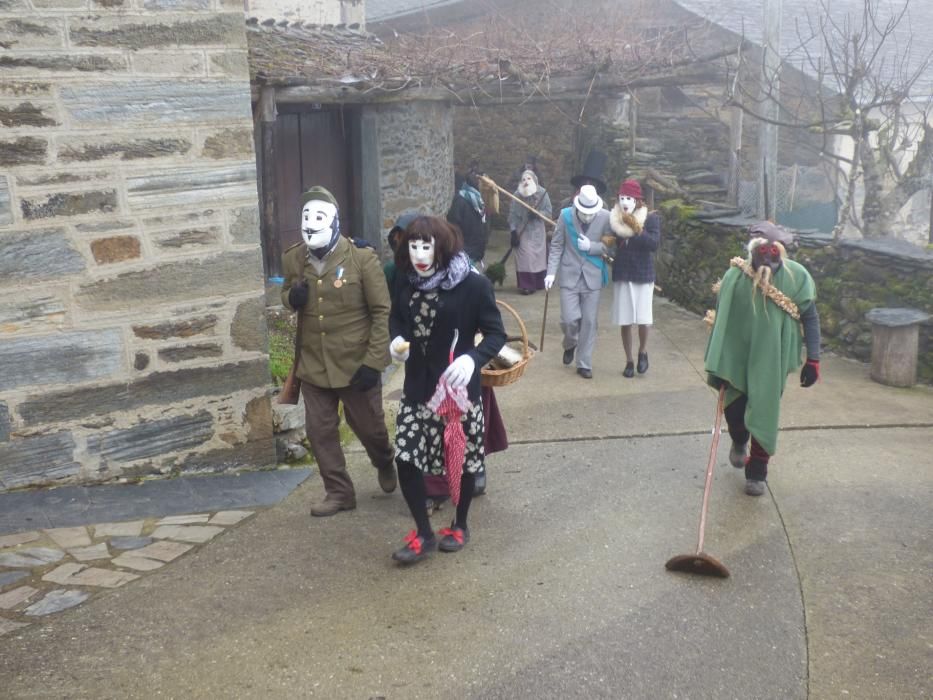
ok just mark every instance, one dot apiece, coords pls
pixel 61 547
pixel 562 592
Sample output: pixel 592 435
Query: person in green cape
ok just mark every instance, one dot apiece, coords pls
pixel 765 315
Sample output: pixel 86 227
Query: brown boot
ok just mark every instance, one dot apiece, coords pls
pixel 330 506
pixel 387 478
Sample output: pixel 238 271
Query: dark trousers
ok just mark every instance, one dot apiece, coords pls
pixel 363 411
pixel 757 466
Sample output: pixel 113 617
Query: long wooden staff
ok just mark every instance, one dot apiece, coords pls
pixel 491 182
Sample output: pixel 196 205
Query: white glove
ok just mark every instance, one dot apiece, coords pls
pixel 398 349
pixel 548 281
pixel 584 243
pixel 459 372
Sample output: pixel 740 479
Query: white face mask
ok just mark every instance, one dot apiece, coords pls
pixel 586 218
pixel 627 203
pixel 527 186
pixel 422 256
pixel 317 216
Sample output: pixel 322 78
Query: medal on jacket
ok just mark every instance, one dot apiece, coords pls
pixel 338 283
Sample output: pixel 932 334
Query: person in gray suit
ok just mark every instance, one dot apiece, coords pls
pixel 577 255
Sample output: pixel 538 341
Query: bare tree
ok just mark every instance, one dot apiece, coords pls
pixel 855 99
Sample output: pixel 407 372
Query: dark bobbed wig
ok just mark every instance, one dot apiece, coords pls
pixel 448 241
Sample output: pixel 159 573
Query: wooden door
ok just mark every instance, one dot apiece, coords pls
pixel 312 147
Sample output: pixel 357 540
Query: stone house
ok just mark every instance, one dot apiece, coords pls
pixel 132 339
pixel 134 252
pixel 321 118
pixel 682 132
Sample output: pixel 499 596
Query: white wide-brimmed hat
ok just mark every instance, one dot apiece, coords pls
pixel 587 201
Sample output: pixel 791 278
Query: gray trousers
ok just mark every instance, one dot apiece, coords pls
pixel 364 415
pixel 579 320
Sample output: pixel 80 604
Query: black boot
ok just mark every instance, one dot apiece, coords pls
pixel 642 362
pixel 756 472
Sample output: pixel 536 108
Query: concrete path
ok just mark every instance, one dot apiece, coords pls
pixel 562 592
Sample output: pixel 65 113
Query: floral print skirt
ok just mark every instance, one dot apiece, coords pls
pixel 419 437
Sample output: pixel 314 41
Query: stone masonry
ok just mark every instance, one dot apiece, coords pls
pixel 132 340
pixel 415 132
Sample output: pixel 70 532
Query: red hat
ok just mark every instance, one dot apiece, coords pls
pixel 630 188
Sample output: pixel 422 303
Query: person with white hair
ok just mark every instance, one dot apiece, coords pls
pixel 528 236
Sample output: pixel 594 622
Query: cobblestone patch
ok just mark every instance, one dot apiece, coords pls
pixel 187 533
pixel 185 519
pixel 68 537
pixel 92 553
pixel 132 560
pixel 129 542
pixel 43 572
pixel 8 578
pixel 129 529
pixel 18 539
pixel 56 601
pixel 16 597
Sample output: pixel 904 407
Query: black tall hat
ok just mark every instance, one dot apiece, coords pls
pixel 592 170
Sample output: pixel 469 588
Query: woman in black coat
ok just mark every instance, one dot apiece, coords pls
pixel 444 295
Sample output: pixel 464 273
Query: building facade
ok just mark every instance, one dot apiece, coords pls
pixel 132 339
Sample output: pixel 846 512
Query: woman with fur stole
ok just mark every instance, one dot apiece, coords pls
pixel 638 233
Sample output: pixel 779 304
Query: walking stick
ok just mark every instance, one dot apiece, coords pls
pixel 543 321
pixel 701 562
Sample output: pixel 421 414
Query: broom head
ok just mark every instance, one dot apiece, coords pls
pixel 699 563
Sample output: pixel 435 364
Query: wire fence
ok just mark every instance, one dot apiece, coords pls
pixel 786 193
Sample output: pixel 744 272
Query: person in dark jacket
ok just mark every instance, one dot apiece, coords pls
pixel 401 223
pixel 468 213
pixel 638 233
pixel 446 301
pixel 341 296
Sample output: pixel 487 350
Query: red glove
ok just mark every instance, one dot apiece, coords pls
pixel 810 374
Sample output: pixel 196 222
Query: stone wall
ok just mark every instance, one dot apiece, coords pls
pixel 851 277
pixel 415 145
pixel 132 339
pixel 500 137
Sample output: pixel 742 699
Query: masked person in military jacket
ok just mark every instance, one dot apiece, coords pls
pixel 341 293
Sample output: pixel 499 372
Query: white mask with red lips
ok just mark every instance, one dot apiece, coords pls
pixel 627 204
pixel 421 254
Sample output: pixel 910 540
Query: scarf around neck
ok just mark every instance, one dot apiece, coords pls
pixel 319 253
pixel 473 196
pixel 448 278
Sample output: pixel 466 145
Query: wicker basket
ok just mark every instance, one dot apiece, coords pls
pixel 504 377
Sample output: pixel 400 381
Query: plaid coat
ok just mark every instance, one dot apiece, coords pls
pixel 634 260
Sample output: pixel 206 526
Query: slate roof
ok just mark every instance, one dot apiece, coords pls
pixel 283 53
